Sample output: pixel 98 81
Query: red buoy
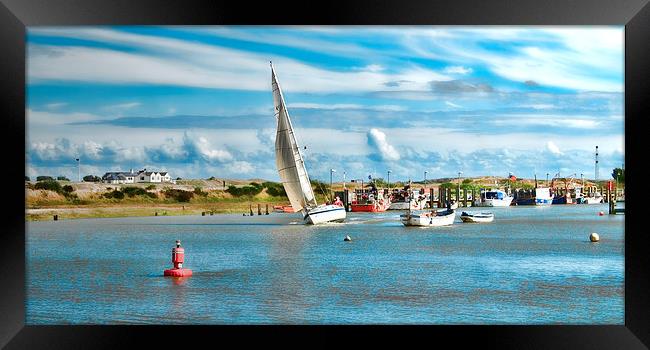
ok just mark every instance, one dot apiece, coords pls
pixel 601 213
pixel 178 257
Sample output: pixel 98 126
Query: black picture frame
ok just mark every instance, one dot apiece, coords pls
pixel 15 15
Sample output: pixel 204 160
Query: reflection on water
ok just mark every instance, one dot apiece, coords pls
pixel 530 266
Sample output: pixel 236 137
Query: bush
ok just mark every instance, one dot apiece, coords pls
pixel 251 190
pixel 27 178
pixel 275 189
pixel 50 185
pixel 150 187
pixel 68 189
pixel 134 191
pixel 43 178
pixel 179 195
pixel 62 178
pixel 198 191
pixel 114 194
pixel 92 178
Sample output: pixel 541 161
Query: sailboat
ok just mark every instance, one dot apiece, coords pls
pixel 291 167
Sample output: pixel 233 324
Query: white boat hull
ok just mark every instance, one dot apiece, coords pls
pixel 477 219
pixel 324 213
pixel 421 219
pixel 506 202
pixel 405 205
pixel 592 200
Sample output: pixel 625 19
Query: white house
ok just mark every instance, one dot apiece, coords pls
pixel 119 177
pixel 148 176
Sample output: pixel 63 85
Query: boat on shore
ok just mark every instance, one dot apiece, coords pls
pixel 477 218
pixel 291 167
pixel 433 218
pixel 493 198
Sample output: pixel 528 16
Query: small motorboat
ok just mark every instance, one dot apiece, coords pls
pixel 433 218
pixel 478 217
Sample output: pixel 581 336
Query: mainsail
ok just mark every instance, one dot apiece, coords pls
pixel 287 155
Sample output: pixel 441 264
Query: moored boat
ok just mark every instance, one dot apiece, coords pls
pixel 493 198
pixel 541 197
pixel 433 218
pixel 477 217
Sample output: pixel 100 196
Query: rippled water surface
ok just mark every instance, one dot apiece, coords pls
pixel 530 266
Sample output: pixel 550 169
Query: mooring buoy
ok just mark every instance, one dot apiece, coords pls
pixel 601 213
pixel 178 258
pixel 594 237
pixel 347 239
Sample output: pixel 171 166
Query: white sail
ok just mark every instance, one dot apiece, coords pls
pixel 287 155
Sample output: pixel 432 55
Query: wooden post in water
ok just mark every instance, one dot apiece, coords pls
pixel 465 196
pixel 259 209
pixel 156 214
pixel 609 204
pixel 56 217
pixel 250 207
pixel 431 198
pixel 346 198
pixel 267 208
pixel 202 213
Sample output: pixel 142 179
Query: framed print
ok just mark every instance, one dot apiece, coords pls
pixel 449 168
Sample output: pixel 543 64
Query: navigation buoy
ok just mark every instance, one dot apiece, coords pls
pixel 594 237
pixel 178 257
pixel 347 239
pixel 601 213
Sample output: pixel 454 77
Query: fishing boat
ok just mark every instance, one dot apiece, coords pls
pixel 541 197
pixel 564 199
pixel 399 200
pixel 371 202
pixel 291 167
pixel 478 217
pixel 429 218
pixel 283 209
pixel 493 198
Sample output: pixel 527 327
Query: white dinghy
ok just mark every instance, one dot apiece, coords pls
pixel 477 217
pixel 429 218
pixel 291 167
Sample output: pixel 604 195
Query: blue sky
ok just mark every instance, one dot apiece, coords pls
pixel 196 101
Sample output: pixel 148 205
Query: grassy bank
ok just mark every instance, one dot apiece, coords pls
pixel 190 197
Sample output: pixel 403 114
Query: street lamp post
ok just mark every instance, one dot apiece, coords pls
pixel 388 180
pixel 546 179
pixel 78 169
pixel 425 178
pixel 458 192
pixel 331 190
pixel 343 180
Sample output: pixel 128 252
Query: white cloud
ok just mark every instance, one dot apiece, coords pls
pixel 56 105
pixel 167 61
pixel 553 148
pixel 378 140
pixel 127 105
pixel 349 106
pixel 458 70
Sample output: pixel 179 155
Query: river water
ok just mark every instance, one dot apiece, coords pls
pixel 532 265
